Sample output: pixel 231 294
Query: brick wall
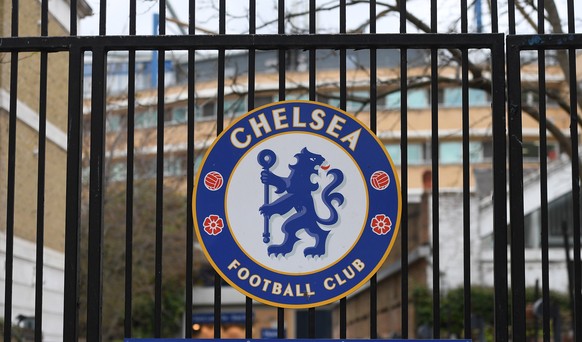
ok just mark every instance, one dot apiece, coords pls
pixel 27 137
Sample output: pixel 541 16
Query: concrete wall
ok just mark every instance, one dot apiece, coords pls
pixel 451 240
pixel 559 183
pixel 24 283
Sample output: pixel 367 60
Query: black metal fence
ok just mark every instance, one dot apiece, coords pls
pixel 477 61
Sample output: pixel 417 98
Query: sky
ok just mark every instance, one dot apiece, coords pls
pixel 327 21
pixel 118 16
pixel 206 16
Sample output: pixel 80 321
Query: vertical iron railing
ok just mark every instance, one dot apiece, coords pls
pixel 543 180
pixel 251 105
pixel 96 196
pixel 130 145
pixel 40 198
pixel 219 128
pixel 160 148
pixel 73 196
pixel 466 178
pixel 373 127
pixel 499 196
pixel 190 181
pixel 282 96
pixel 10 193
pixel 404 175
pixel 515 46
pixel 73 186
pixel 313 97
pixel 343 105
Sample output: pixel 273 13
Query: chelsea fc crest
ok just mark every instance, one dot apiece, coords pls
pixel 296 204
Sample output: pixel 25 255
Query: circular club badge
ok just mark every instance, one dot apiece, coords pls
pixel 296 204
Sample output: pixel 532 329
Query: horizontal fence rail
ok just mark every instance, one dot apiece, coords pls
pixel 243 42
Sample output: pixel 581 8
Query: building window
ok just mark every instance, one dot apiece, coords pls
pixel 381 102
pixel 360 101
pixel 146 119
pixel 174 165
pixel 145 167
pixel 232 107
pixel 298 96
pixel 118 171
pixel 451 152
pixel 113 123
pixel 393 100
pixel 198 160
pixel 235 107
pixel 553 151
pixel 487 150
pixel 559 218
pixel 206 111
pixel 418 98
pixel 356 101
pixel 479 97
pixel 177 115
pixel 395 153
pixel 262 100
pixel 530 150
pixel 441 95
pixel 325 98
pixel 447 97
pixel 86 125
pixel 453 97
pixel 476 151
pixel 417 153
pixel 532 98
pixel 560 214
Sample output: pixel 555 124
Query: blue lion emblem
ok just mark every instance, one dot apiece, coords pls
pixel 298 189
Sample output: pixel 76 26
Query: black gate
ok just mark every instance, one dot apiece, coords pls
pixel 423 79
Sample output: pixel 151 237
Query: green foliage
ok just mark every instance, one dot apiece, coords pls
pixel 482 301
pixel 422 298
pixel 452 308
pixel 556 297
pixel 172 309
pixel 18 333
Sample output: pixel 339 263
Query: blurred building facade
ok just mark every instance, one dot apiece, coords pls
pixel 388 105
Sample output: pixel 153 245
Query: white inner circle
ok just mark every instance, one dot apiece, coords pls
pixel 245 195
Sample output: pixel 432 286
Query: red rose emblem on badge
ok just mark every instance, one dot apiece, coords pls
pixel 381 224
pixel 213 225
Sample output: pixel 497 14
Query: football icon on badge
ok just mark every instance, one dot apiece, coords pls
pixel 213 181
pixel 380 180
